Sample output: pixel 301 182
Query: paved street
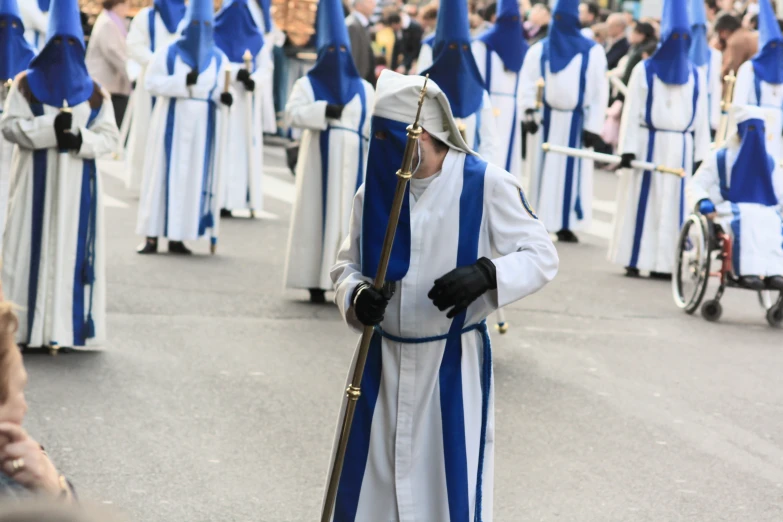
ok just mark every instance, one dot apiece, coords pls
pixel 217 396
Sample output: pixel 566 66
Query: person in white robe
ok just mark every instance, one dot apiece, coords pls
pixel 153 28
pixel 576 95
pixel 708 61
pixel 54 265
pixel 454 69
pixel 740 186
pixel 273 37
pixel 35 16
pixel 424 59
pixel 421 446
pixel 236 34
pixel 180 190
pixel 332 105
pixel 499 54
pixel 665 121
pixel 15 55
pixel 760 79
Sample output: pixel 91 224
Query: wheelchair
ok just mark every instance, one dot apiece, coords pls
pixel 701 244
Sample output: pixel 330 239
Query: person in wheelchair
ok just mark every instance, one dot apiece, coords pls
pixel 740 188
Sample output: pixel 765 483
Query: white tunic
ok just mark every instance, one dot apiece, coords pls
pixel 54 266
pixel 273 37
pixel 140 50
pixel 6 151
pixel 711 71
pixel 424 60
pixel 756 230
pixel 745 93
pixel 321 216
pixel 243 165
pixel 35 21
pixel 561 188
pixel 423 408
pixel 505 98
pixel 180 187
pixel 651 205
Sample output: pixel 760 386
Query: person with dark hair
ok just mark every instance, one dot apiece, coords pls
pixel 107 54
pixel 711 7
pixel 538 21
pixel 589 14
pixel 642 34
pixel 490 12
pixel 737 43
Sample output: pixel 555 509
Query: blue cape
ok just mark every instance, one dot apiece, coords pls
pixel 196 46
pixel 236 31
pixel 506 37
pixel 43 5
pixel 58 73
pixel 751 174
pixel 565 37
pixel 768 62
pixel 171 13
pixel 671 62
pixel 700 48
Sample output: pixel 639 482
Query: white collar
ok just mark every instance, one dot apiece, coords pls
pixel 362 19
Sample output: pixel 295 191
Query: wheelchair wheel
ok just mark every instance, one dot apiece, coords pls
pixel 775 316
pixel 711 310
pixel 693 264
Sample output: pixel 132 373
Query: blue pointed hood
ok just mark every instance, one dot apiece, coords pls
pixel 237 32
pixel 506 37
pixel 565 38
pixel 700 46
pixel 752 171
pixel 671 63
pixel 171 13
pixel 453 67
pixel 15 51
pixel 768 62
pixel 334 77
pixel 58 73
pixel 196 46
pixel 43 5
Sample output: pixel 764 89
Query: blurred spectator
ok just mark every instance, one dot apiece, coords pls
pixel 737 43
pixel 405 40
pixel 600 34
pixel 537 25
pixel 750 21
pixel 428 18
pixel 39 511
pixel 588 16
pixel 24 464
pixel 358 23
pixel 712 11
pixel 107 54
pixel 617 44
pixel 643 36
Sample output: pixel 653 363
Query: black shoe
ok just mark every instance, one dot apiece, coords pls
pixel 317 296
pixel 660 276
pixel 150 246
pixel 566 236
pixel 178 247
pixel 631 271
pixel 774 282
pixel 225 213
pixel 752 282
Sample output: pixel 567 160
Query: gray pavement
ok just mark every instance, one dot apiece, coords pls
pixel 217 395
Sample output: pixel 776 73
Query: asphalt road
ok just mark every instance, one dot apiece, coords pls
pixel 217 396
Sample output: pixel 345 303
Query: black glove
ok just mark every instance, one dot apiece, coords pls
pixel 627 158
pixel 243 75
pixel 591 140
pixel 529 124
pixel 63 122
pixel 696 166
pixel 462 286
pixel 370 304
pixel 226 99
pixel 191 78
pixel 334 111
pixel 133 85
pixel 62 131
pixel 250 85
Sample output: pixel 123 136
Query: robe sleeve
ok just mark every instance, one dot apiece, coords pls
pixel 490 144
pixel 599 101
pixel 347 272
pixel 530 74
pixel 160 83
pixel 743 86
pixel 425 59
pixel 527 258
pixel 138 40
pixel 630 122
pixel 302 110
pixel 702 135
pixel 703 183
pixel 101 136
pixel 21 127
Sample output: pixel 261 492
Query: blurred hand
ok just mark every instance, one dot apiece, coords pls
pixel 34 470
pixel 191 78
